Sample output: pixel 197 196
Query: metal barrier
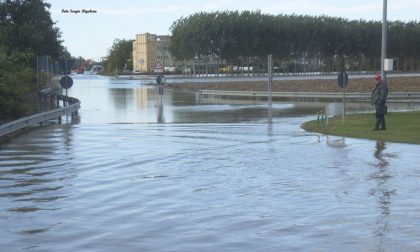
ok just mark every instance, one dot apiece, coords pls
pixel 70 106
pixel 356 96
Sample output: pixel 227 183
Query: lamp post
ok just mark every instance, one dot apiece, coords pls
pixel 194 65
pixel 218 61
pixel 384 39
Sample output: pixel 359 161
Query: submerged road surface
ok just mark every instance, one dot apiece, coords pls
pixel 141 173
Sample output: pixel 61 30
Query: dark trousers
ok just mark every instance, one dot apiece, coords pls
pixel 380 117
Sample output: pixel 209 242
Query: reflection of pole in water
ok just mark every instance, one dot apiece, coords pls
pixel 160 117
pixel 160 81
pixel 270 127
pixel 383 192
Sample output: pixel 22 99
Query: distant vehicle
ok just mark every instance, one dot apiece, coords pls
pixel 87 67
pixel 225 69
pixel 126 71
pixel 243 69
pixel 169 69
pixel 97 68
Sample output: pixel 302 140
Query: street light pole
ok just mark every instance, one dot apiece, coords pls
pixel 384 39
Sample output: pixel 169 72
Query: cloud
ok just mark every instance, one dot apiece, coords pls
pixel 216 5
pixel 135 11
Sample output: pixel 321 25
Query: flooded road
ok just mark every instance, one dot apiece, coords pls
pixel 183 173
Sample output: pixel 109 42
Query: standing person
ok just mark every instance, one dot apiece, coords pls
pixel 379 95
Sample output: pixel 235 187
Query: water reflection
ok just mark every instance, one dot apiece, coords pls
pixel 121 98
pixel 336 141
pixel 160 116
pixel 270 127
pixel 218 165
pixel 379 155
pixel 38 183
pixel 142 96
pixel 383 192
pixel 124 101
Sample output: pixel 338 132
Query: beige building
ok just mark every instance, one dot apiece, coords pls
pixel 144 52
pixel 150 49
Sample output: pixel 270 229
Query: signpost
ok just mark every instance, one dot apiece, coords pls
pixel 343 80
pixel 384 39
pixel 270 85
pixel 66 82
pixel 160 81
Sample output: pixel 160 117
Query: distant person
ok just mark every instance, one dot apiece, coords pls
pixel 379 95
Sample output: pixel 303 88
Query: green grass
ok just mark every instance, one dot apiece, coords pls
pixel 402 127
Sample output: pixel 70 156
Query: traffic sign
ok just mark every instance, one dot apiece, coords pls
pixel 66 82
pixel 158 68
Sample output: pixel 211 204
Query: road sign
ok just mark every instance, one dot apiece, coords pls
pixel 343 79
pixel 66 82
pixel 158 68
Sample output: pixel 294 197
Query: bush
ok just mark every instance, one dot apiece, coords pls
pixel 16 80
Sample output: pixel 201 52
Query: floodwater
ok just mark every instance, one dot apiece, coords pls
pixel 184 173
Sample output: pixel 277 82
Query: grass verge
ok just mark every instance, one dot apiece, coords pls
pixel 402 127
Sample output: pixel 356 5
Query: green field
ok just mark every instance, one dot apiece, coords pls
pixel 402 127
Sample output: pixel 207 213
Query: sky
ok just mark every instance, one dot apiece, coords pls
pixel 90 35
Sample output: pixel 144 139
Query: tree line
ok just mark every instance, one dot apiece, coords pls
pixel 26 30
pixel 120 57
pixel 319 43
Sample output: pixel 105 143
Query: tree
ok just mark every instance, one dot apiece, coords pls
pixel 27 24
pixel 332 41
pixel 26 30
pixel 120 56
pixel 15 82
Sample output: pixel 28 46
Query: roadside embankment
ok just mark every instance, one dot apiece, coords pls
pixel 360 85
pixel 402 127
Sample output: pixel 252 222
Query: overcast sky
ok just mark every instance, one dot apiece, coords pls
pixel 91 35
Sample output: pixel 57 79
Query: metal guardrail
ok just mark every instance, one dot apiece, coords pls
pixel 72 108
pixel 394 96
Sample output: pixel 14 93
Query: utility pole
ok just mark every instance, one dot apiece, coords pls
pixel 270 85
pixel 384 39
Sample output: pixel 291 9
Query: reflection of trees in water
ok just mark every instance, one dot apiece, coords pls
pixel 121 97
pixel 383 192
